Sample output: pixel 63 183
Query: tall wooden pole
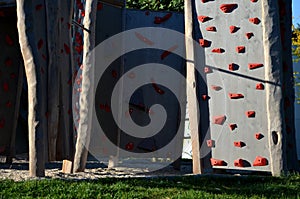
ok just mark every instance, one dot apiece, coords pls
pixel 86 107
pixel 194 115
pixel 33 73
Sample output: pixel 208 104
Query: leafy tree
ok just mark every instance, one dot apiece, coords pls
pixel 296 58
pixel 170 5
pixel 296 43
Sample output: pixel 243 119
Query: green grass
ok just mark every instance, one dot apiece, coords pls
pixel 176 187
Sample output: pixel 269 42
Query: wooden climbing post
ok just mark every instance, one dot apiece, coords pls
pixel 194 115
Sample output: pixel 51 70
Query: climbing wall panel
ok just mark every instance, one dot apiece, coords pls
pixel 242 70
pixel 10 80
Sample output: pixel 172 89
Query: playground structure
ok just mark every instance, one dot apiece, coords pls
pixel 245 114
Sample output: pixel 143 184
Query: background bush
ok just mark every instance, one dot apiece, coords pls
pixel 170 5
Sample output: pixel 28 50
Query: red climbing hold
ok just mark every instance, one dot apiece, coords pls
pixel 254 66
pixel 159 20
pixel 13 76
pixel 218 50
pixel 233 29
pixel 250 114
pixel 207 70
pixel 228 8
pixel 2 123
pixel 233 67
pixel 260 161
pixel 67 48
pixel 8 104
pixel 157 89
pixel 239 144
pixel 168 52
pixel 9 40
pixel 38 7
pixel 249 35
pixel 129 146
pixel 240 49
pixel 114 74
pixel 219 119
pixel 5 87
pixel 235 95
pixel 107 108
pixel 216 88
pixel 204 18
pixel 204 43
pixel 254 20
pixel 254 1
pixel 259 136
pixel 40 44
pixel 232 126
pixel 211 28
pixel 239 163
pixel 8 62
pixel 144 39
pixel 210 143
pixel 216 162
pixel 99 6
pixel 131 75
pixel 205 97
pixel 260 86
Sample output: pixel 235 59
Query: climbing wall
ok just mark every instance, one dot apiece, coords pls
pixel 146 95
pixel 242 73
pixel 10 79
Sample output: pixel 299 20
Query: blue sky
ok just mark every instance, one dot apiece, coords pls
pixel 296 11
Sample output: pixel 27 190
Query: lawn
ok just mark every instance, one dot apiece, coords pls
pixel 174 187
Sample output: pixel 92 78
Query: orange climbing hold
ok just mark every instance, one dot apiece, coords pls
pixel 218 50
pixel 249 35
pixel 260 86
pixel 239 163
pixel 219 119
pixel 205 97
pixel 260 161
pixel 204 43
pixel 240 49
pixel 207 70
pixel 216 162
pixel 216 88
pixel 232 126
pixel 228 8
pixel 233 29
pixel 235 95
pixel 239 144
pixel 250 114
pixel 210 143
pixel 254 20
pixel 259 136
pixel 252 66
pixel 211 29
pixel 204 19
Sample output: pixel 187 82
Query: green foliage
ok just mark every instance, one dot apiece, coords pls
pixel 175 187
pixel 170 5
pixel 296 43
pixel 296 58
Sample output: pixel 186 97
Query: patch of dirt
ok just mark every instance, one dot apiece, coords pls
pixel 18 171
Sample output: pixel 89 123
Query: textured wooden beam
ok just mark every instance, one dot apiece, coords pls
pixel 33 73
pixel 86 105
pixel 273 73
pixel 191 87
